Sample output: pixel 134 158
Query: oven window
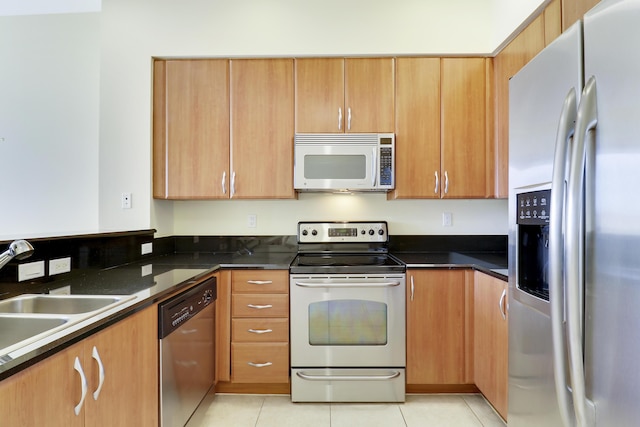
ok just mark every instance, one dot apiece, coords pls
pixel 335 166
pixel 347 322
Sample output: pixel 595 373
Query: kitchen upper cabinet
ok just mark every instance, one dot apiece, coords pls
pixel 437 332
pixel 466 167
pixel 262 127
pixel 125 393
pixel 417 128
pixel 335 95
pixel 539 33
pixel 191 129
pixel 491 340
pixel 572 10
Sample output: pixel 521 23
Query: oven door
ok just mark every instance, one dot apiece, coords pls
pixel 348 321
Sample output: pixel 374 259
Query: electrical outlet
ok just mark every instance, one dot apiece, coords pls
pixel 60 265
pixel 447 219
pixel 146 270
pixel 126 200
pixel 252 220
pixel 147 248
pixel 30 270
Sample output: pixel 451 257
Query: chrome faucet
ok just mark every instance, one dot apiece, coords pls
pixel 19 249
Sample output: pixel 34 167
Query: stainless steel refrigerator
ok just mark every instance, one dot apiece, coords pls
pixel 574 226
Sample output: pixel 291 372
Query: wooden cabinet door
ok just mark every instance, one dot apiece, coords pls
pixel 262 128
pixel 319 92
pixel 44 394
pixel 491 340
pixel 417 128
pixel 464 150
pixel 369 94
pixel 128 352
pixel 436 326
pixel 191 129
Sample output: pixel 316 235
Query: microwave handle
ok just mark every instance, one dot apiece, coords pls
pixel 374 165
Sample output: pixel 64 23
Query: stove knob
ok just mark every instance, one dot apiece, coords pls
pixel 314 232
pixel 305 232
pixel 371 232
pixel 363 231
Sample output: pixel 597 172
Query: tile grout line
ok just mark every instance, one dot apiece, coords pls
pixel 260 412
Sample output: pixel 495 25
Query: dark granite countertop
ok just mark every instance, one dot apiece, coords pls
pixel 154 278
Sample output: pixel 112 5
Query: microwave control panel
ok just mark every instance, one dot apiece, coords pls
pixel 386 166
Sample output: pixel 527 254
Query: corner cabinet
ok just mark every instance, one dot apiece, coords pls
pixel 335 95
pixel 443 133
pixel 491 340
pixel 223 129
pixel 191 129
pixel 438 331
pixel 48 392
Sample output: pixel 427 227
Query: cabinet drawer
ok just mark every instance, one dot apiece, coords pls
pixel 260 281
pixel 260 362
pixel 260 305
pixel 260 330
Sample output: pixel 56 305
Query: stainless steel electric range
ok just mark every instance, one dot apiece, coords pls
pixel 347 315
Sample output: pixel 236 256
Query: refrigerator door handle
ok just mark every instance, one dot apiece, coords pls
pixel 577 200
pixel 566 131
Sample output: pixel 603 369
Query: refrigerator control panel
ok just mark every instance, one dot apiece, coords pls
pixel 533 207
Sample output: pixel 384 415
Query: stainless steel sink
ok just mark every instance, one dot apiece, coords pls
pixel 16 329
pixel 58 304
pixel 29 318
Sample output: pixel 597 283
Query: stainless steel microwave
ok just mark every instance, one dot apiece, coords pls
pixel 344 162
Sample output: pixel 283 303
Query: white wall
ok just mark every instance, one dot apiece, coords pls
pixel 281 217
pixel 105 77
pixel 49 97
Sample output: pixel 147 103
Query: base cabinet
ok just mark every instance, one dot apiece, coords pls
pixel 436 327
pixel 491 340
pixel 125 393
pixel 260 326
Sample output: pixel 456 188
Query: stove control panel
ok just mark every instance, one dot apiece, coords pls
pixel 337 232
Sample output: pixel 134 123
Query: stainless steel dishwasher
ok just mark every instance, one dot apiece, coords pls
pixel 187 336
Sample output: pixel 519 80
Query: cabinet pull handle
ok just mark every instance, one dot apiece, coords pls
pixel 260 282
pixel 412 288
pixel 446 182
pixel 339 118
pixel 96 356
pixel 349 118
pixel 224 182
pixel 260 331
pixel 83 382
pixel 259 365
pixel 436 190
pixel 233 183
pixel 260 307
pixel 501 304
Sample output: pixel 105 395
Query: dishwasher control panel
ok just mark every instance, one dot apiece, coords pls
pixel 177 310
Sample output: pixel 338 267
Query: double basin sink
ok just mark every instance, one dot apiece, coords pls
pixel 28 318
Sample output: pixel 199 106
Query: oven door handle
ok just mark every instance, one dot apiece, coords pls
pixel 326 284
pixel 391 375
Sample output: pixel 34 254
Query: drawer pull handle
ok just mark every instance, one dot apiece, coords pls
pixel 260 331
pixel 260 282
pixel 260 307
pixel 259 365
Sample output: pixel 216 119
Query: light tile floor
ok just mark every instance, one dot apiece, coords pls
pixel 433 410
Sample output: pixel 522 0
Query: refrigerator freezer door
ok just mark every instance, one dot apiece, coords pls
pixel 536 97
pixel 612 270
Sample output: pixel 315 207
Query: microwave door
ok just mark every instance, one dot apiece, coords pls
pixel 335 167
